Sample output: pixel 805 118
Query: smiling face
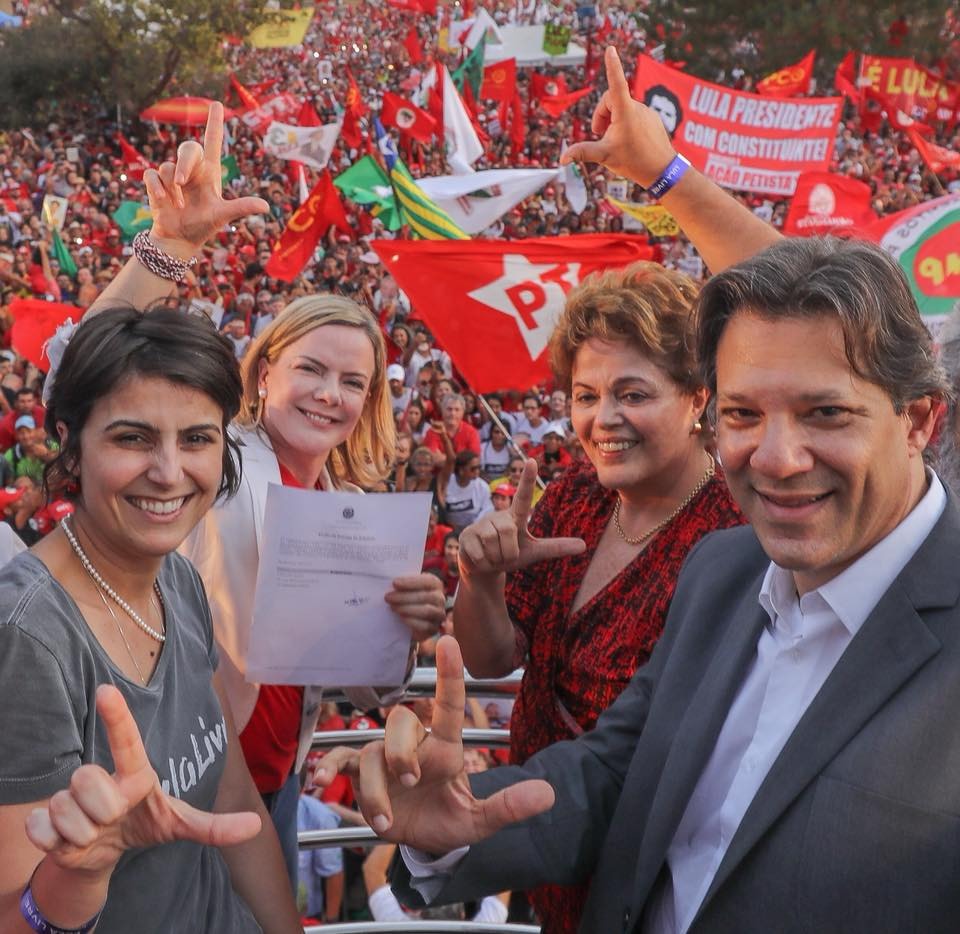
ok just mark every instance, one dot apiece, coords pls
pixel 817 458
pixel 151 459
pixel 632 418
pixel 316 391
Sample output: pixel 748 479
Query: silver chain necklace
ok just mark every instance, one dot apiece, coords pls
pixel 108 590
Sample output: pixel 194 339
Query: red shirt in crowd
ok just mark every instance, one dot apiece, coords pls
pixel 467 438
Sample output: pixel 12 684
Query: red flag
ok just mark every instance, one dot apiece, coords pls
pixel 542 86
pixel 350 130
pixel 415 6
pixel 825 203
pixel 845 78
pixel 247 100
pixel 34 323
pixel 499 81
pixel 492 304
pixel 936 157
pixel 518 127
pixel 556 104
pixel 135 163
pixel 354 102
pixel 871 110
pixel 261 87
pixel 307 116
pixel 307 225
pixel 407 118
pixel 411 43
pixel 789 81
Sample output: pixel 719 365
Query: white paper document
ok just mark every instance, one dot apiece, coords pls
pixel 326 562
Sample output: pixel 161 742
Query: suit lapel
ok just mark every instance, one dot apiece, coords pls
pixel 696 735
pixel 891 646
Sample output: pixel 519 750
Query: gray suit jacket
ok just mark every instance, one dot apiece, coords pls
pixel 856 828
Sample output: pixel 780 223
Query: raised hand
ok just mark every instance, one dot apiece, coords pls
pixel 420 602
pixel 185 197
pixel 633 141
pixel 499 542
pixel 89 825
pixel 412 787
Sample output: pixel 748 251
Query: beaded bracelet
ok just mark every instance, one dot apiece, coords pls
pixel 36 920
pixel 671 175
pixel 159 262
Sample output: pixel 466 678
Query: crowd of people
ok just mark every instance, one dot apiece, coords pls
pixel 561 513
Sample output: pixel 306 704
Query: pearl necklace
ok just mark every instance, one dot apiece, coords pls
pixel 108 590
pixel 701 483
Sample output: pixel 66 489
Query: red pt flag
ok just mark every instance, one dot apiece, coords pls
pixel 307 225
pixel 789 81
pixel 493 305
pixel 740 140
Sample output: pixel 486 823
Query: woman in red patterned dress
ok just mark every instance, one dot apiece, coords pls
pixel 580 594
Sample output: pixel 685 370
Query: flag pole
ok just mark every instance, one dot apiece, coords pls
pixel 499 423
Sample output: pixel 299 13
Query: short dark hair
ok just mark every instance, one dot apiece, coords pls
pixel 857 283
pixel 25 391
pixel 463 458
pixel 121 343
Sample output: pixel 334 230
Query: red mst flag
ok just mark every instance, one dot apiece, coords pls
pixel 493 304
pixel 825 203
pixel 407 118
pixel 307 225
pixel 411 43
pixel 542 86
pixel 34 323
pixel 556 104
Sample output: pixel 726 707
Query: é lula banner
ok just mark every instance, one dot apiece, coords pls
pixel 740 140
pixel 907 86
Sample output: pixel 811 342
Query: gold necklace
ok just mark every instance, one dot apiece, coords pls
pixel 701 483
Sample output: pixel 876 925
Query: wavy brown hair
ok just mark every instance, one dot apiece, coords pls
pixel 643 305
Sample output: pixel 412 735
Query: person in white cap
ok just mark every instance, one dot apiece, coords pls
pixel 400 394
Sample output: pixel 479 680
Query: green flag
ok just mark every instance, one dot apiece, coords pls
pixel 366 183
pixel 425 218
pixel 556 38
pixel 62 255
pixel 228 169
pixel 471 69
pixel 132 217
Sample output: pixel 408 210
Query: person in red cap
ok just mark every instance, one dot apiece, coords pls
pixel 502 496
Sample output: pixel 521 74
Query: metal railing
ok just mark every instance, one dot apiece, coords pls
pixel 422 684
pixel 415 927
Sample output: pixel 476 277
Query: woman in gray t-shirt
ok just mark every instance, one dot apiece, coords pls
pixel 115 746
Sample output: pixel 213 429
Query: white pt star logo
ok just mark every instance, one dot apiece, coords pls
pixel 532 294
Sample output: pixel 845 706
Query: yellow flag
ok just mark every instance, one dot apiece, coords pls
pixel 658 220
pixel 286 32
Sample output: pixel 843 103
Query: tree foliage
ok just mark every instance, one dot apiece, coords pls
pixel 110 52
pixel 716 36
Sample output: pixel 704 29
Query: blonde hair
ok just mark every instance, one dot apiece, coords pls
pixel 644 305
pixel 367 454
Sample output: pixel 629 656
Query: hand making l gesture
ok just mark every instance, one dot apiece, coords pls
pixel 633 142
pixel 412 787
pixel 89 825
pixel 500 541
pixel 186 197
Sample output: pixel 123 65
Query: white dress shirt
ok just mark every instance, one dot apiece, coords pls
pixel 795 654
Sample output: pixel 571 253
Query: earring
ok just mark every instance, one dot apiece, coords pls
pixel 697 428
pixel 262 393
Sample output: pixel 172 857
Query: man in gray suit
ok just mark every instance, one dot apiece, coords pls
pixel 789 759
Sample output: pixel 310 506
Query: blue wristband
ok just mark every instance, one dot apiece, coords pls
pixel 671 175
pixel 33 917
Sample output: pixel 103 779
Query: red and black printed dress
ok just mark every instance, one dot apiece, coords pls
pixel 577 665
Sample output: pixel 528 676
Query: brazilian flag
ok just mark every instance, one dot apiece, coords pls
pixel 132 217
